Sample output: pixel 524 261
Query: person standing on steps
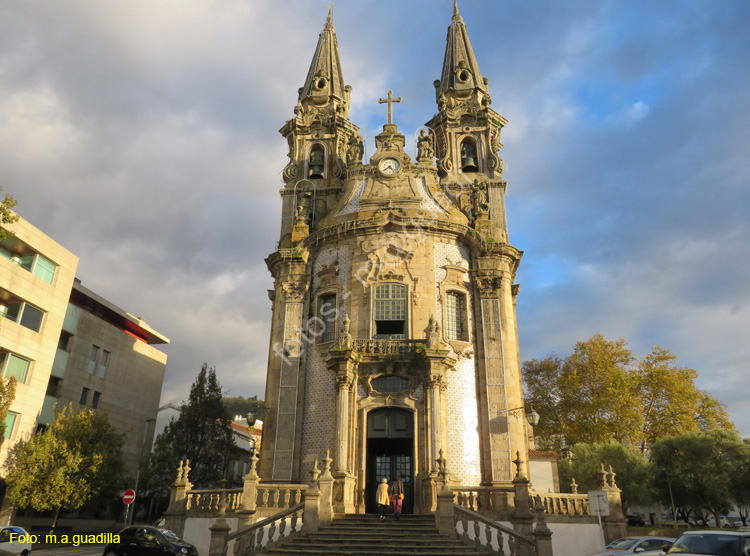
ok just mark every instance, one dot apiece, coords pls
pixel 382 497
pixel 397 496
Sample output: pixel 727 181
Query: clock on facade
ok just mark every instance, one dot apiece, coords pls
pixel 389 166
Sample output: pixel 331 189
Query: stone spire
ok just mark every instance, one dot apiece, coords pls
pixel 324 86
pixel 461 75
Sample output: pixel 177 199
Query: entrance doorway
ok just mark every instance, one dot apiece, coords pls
pixel 390 452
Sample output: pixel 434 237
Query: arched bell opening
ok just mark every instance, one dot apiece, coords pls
pixel 390 452
pixel 469 157
pixel 317 162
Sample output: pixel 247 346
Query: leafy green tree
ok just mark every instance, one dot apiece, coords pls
pixel 600 393
pixel 91 435
pixel 633 471
pixel 7 216
pixel 202 434
pixel 588 397
pixel 698 470
pixel 7 395
pixel 741 483
pixel 75 459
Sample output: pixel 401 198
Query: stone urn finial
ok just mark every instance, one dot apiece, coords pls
pixel 574 486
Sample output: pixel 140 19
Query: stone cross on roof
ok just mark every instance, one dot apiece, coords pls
pixel 390 100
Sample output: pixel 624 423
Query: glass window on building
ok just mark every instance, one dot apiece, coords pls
pixel 10 423
pixel 13 365
pixel 327 314
pixel 93 356
pixel 390 311
pixel 455 308
pixel 44 269
pixel 84 397
pixel 103 364
pixel 95 400
pixel 31 317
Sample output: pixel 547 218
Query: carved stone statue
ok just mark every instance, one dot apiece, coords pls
pixel 355 149
pixel 480 198
pixel 425 150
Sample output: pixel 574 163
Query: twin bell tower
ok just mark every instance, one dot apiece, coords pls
pixel 394 345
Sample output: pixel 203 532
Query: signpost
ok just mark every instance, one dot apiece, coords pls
pixel 599 506
pixel 128 498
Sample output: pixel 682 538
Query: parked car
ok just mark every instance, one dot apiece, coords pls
pixel 644 546
pixel 143 540
pixel 15 547
pixel 712 543
pixel 634 520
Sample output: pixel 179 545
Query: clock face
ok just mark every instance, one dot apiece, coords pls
pixel 389 166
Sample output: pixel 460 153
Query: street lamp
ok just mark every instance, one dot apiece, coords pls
pixel 532 417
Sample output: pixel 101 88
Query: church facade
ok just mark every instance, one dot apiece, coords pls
pixel 393 339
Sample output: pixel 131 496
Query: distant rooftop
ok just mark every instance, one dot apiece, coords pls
pixel 97 305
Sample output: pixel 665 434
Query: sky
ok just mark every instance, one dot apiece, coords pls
pixel 143 136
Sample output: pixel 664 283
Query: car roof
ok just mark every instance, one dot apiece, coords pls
pixel 722 532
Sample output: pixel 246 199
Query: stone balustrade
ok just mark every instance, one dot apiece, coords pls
pixel 207 501
pixel 385 347
pixel 498 500
pixel 556 503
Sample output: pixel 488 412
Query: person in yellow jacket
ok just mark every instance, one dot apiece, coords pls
pixel 382 497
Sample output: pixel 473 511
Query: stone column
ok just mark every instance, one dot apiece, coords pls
pixel 444 519
pixel 175 514
pixel 311 516
pixel 542 534
pixel 326 492
pixel 523 518
pixel 246 513
pixel 341 453
pixel 219 530
pixel 615 524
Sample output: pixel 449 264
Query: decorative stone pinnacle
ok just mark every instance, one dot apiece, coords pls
pixel 517 462
pixel 574 486
pixel 611 478
pixel 603 479
pixel 455 7
pixel 253 466
pixel 315 471
pixel 390 100
pixel 327 463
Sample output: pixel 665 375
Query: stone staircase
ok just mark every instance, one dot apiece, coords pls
pixel 367 535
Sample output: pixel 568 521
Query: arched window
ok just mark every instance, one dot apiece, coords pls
pixel 469 158
pixel 317 162
pixel 455 316
pixel 390 312
pixel 327 314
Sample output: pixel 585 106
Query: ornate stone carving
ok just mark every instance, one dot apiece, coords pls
pixel 433 333
pixel 425 149
pixel 294 290
pixel 487 284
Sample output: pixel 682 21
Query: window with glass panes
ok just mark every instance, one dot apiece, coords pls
pixel 93 356
pixel 455 305
pixel 390 311
pixel 10 422
pixel 12 365
pixel 103 364
pixel 327 315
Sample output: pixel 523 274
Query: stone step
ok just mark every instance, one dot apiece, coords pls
pixel 299 551
pixel 368 535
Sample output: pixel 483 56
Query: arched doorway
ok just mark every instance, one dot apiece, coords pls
pixel 390 452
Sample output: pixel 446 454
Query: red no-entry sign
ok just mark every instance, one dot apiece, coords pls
pixel 129 496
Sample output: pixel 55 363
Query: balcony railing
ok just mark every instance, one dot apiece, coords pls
pixel 385 347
